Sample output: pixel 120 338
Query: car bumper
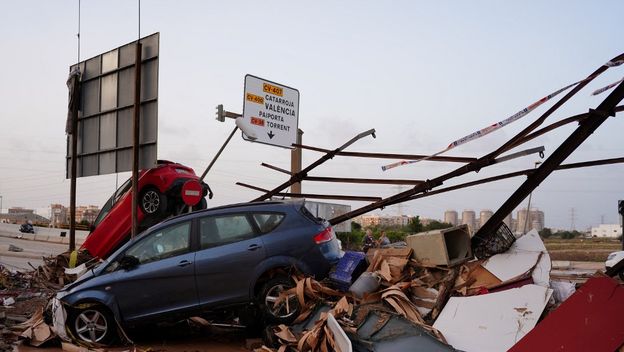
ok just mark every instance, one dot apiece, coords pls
pixel 59 317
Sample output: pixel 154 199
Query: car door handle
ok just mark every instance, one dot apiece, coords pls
pixel 253 247
pixel 184 263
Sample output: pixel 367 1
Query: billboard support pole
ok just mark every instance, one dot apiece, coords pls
pixel 135 140
pixel 74 162
pixel 295 162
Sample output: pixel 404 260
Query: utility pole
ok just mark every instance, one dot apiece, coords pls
pixel 295 162
pixel 572 218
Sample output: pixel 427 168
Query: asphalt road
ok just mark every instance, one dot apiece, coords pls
pixel 32 252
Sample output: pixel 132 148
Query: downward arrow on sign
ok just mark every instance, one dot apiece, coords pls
pixel 270 134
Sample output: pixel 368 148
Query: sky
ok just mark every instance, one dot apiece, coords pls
pixel 423 74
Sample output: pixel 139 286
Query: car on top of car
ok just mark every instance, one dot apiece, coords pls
pixel 160 196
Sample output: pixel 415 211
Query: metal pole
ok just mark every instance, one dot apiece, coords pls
pixel 301 174
pixel 218 153
pixel 135 144
pixel 0 204
pixel 582 132
pixel 295 162
pixel 528 214
pixel 74 164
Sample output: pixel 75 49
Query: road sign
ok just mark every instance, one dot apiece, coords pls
pixel 270 112
pixel 191 192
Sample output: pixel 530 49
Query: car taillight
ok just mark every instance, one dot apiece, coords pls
pixel 324 236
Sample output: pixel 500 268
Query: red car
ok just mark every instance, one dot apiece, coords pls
pixel 160 196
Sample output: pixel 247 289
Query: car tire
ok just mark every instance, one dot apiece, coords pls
pixel 152 202
pixel 278 313
pixel 94 324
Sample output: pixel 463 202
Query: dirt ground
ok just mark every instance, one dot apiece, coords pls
pixel 581 249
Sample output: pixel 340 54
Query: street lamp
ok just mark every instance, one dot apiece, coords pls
pixel 528 213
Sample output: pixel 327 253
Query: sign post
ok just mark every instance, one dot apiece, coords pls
pixel 270 112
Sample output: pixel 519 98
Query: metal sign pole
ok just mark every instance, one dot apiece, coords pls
pixel 135 144
pixel 74 162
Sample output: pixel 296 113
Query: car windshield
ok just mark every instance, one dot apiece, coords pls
pixel 112 200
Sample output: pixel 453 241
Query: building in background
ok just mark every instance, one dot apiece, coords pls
pixel 20 210
pixel 59 215
pixel 535 220
pixel 484 216
pixel 468 218
pixel 87 213
pixel 19 215
pixel 509 221
pixel 383 220
pixel 607 230
pixel 450 217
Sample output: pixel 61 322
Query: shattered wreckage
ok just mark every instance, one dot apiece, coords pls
pixel 446 290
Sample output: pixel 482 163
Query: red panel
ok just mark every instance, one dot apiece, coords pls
pixel 592 319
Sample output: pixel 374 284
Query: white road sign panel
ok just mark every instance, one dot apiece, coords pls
pixel 270 112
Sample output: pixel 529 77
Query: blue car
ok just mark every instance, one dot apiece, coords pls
pixel 225 257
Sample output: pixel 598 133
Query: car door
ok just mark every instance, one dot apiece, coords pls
pixel 230 249
pixel 163 282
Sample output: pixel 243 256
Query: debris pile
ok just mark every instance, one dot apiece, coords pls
pixel 429 292
pixel 403 299
pixel 25 294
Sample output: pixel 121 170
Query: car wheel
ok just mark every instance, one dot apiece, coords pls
pixel 94 324
pixel 274 309
pixel 152 202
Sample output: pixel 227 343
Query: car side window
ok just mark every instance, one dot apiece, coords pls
pixel 218 230
pixel 267 222
pixel 165 243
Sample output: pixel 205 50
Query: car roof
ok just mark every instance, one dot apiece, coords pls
pixel 297 203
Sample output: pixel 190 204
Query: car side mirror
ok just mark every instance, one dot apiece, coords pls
pixel 128 262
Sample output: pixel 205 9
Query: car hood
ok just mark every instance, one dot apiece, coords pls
pixel 87 276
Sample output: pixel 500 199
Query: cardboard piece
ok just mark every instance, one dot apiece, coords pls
pixel 492 322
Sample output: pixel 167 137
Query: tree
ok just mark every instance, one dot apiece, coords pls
pixel 414 225
pixel 545 232
pixel 437 225
pixel 355 226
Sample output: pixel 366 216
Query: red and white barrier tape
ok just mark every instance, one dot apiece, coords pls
pixel 482 132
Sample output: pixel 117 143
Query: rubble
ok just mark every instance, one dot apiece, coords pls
pixel 489 304
pixel 481 305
